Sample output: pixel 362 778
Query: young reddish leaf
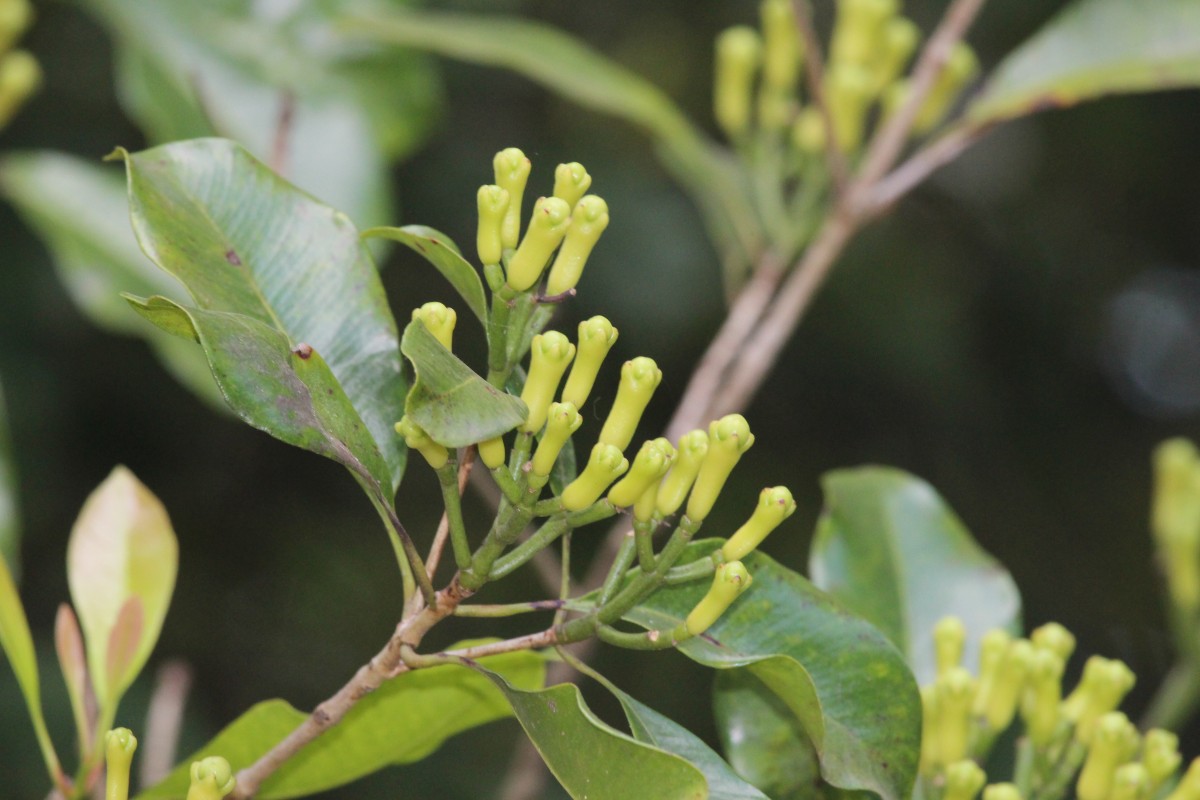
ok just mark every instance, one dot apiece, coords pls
pixel 122 550
pixel 68 642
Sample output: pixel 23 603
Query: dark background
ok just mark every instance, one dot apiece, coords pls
pixel 995 335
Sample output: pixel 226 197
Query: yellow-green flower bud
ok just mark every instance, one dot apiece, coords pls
pixel 1055 638
pixel 930 758
pixel 571 182
pixel 605 465
pixel 1189 785
pixel 15 17
pixel 673 490
pixel 848 91
pixel 438 320
pixel 964 779
pixel 596 338
pixel 775 504
pixel 639 378
pixel 728 438
pixel 588 221
pixel 649 465
pixel 212 779
pixel 739 50
pixel 900 38
pixel 949 638
pixel 20 77
pixel 417 439
pixel 493 206
pixel 512 171
pixel 562 420
pixel 808 131
pixel 492 452
pixel 644 508
pixel 1042 702
pixel 119 746
pixel 1101 689
pixel 1175 519
pixel 1000 704
pixel 952 726
pixel 858 31
pixel 961 68
pixel 1113 743
pixel 1131 782
pixel 550 354
pixel 1160 756
pixel 992 649
pixel 1002 791
pixel 729 581
pixel 783 50
pixel 547 227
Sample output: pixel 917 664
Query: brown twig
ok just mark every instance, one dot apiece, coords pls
pixel 283 132
pixel 920 166
pixel 814 77
pixel 164 719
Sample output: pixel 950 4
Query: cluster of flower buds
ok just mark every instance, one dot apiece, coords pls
pixel 1175 520
pixel 870 50
pixel 1083 731
pixel 20 75
pixel 211 778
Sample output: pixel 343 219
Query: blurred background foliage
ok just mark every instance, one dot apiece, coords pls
pixel 1020 332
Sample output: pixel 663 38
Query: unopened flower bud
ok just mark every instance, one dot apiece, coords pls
pixel 1113 743
pixel 992 649
pixel 808 131
pixel 673 490
pixel 1131 782
pixel 949 637
pixel 930 759
pixel 952 727
pixel 550 354
pixel 783 49
pixel 549 223
pixel 644 508
pixel 848 91
pixel 649 465
pixel 212 779
pixel 1055 638
pixel 588 221
pixel 1002 791
pixel 512 171
pixel 639 378
pixel 596 337
pixel 739 50
pixel 119 746
pixel 964 779
pixel 571 182
pixel 1041 705
pixel 775 504
pixel 1160 756
pixel 858 31
pixel 961 68
pixel 491 452
pixel 1103 685
pixel 493 206
pixel 605 465
pixel 438 320
pixel 900 38
pixel 729 581
pixel 1189 785
pixel 1175 519
pixel 15 17
pixel 728 438
pixel 417 439
pixel 562 420
pixel 1000 704
pixel 20 77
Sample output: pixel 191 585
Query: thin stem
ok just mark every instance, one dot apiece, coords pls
pixel 641 640
pixel 507 609
pixel 687 573
pixel 520 554
pixel 643 532
pixel 497 335
pixel 452 479
pixel 1176 698
pixel 920 166
pixel 409 586
pixel 530 641
pixel 443 530
pixel 164 720
pixel 410 552
pixel 508 485
pixel 616 572
pixel 283 133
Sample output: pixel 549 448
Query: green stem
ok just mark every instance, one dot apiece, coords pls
pixel 617 571
pixel 508 485
pixel 519 457
pixel 1176 699
pixel 642 640
pixel 1061 773
pixel 1023 769
pixel 690 572
pixel 510 521
pixel 497 336
pixel 564 586
pixel 522 310
pixel 506 609
pixel 406 573
pixel 448 478
pixel 643 532
pixel 527 549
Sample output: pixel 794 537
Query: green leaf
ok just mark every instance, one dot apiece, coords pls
pixel 121 563
pixel 288 392
pixel 1091 49
pixel 762 739
pixel 592 760
pixel 565 65
pixel 81 211
pixel 842 680
pixel 892 550
pixel 403 721
pixel 448 400
pixel 247 243
pixel 444 255
pixel 186 70
pixel 653 728
pixel 10 521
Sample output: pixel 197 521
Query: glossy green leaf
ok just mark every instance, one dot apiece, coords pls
pixel 444 255
pixel 289 392
pixel 81 211
pixel 764 742
pixel 454 405
pixel 653 728
pixel 565 65
pixel 248 244
pixel 848 687
pixel 892 550
pixel 592 760
pixel 403 721
pixel 121 563
pixel 1095 48
pixel 186 70
pixel 10 521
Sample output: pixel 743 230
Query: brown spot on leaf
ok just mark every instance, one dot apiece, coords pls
pixel 303 350
pixel 233 258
